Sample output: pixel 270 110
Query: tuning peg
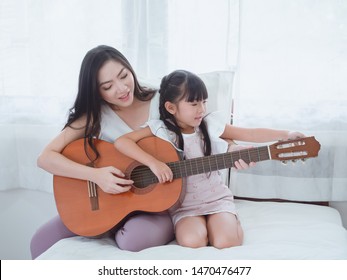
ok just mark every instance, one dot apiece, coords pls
pixel 294 161
pixel 303 160
pixel 284 162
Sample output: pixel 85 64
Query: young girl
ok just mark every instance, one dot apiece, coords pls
pixel 110 102
pixel 207 214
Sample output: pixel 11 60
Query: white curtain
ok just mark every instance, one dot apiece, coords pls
pixel 164 35
pixel 289 57
pixel 42 44
pixel 292 74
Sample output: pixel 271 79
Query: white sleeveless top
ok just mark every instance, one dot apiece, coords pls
pixel 112 126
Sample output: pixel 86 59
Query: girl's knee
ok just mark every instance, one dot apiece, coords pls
pixel 192 232
pixel 192 237
pixel 192 240
pixel 226 242
pixel 229 239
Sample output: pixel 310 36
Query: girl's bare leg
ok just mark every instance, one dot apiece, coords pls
pixel 191 232
pixel 224 230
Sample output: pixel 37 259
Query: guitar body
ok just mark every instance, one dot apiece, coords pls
pixel 72 196
pixel 88 211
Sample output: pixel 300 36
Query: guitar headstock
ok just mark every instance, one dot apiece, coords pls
pixel 300 148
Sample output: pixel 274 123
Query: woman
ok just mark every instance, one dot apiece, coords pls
pixel 110 102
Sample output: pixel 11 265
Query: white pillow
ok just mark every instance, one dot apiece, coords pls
pixel 219 85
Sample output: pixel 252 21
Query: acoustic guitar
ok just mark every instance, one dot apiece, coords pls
pixel 88 211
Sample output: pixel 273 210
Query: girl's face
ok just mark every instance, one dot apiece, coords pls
pixel 187 114
pixel 116 84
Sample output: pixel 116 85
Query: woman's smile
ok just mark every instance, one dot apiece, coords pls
pixel 125 97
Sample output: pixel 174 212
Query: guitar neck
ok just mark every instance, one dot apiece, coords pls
pixel 217 162
pixel 300 148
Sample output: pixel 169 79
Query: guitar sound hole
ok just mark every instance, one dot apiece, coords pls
pixel 143 177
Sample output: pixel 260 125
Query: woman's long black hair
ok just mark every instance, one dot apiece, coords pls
pixel 177 86
pixel 88 100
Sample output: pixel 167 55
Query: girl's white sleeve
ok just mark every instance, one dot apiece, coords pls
pixel 160 130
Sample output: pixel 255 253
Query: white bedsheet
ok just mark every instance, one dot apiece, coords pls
pixel 272 230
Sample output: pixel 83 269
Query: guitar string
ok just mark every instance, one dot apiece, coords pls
pixel 254 154
pixel 91 189
pixel 206 160
pixel 147 177
pixel 138 175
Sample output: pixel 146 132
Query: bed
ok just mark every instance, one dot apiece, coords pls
pixel 277 222
pixel 273 230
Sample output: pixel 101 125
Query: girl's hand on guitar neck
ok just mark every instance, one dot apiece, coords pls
pixel 111 180
pixel 162 171
pixel 292 135
pixel 240 164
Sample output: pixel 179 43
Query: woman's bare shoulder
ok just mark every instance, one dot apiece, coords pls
pixel 69 134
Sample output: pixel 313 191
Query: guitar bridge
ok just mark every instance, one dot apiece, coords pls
pixel 93 195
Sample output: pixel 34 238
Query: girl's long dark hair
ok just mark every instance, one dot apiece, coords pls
pixel 177 86
pixel 88 100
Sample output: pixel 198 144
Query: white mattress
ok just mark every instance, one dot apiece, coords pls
pixel 272 230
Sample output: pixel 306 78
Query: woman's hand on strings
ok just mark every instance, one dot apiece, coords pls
pixel 111 180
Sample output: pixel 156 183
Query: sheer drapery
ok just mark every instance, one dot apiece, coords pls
pixel 42 44
pixel 289 57
pixel 160 36
pixel 292 74
pixel 145 36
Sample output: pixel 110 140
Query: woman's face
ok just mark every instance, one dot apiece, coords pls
pixel 116 84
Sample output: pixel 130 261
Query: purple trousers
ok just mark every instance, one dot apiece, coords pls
pixel 139 232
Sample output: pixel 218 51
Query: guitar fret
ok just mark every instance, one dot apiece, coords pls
pixel 209 164
pixel 203 166
pixel 224 161
pixel 216 162
pixel 232 160
pixel 251 155
pixel 174 171
pixel 191 167
pixel 197 166
pixel 256 155
pixel 185 168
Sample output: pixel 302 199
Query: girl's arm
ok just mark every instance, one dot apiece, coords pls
pixel 254 135
pixel 54 162
pixel 127 145
pixel 258 135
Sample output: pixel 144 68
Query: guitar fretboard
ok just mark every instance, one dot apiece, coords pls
pixel 143 176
